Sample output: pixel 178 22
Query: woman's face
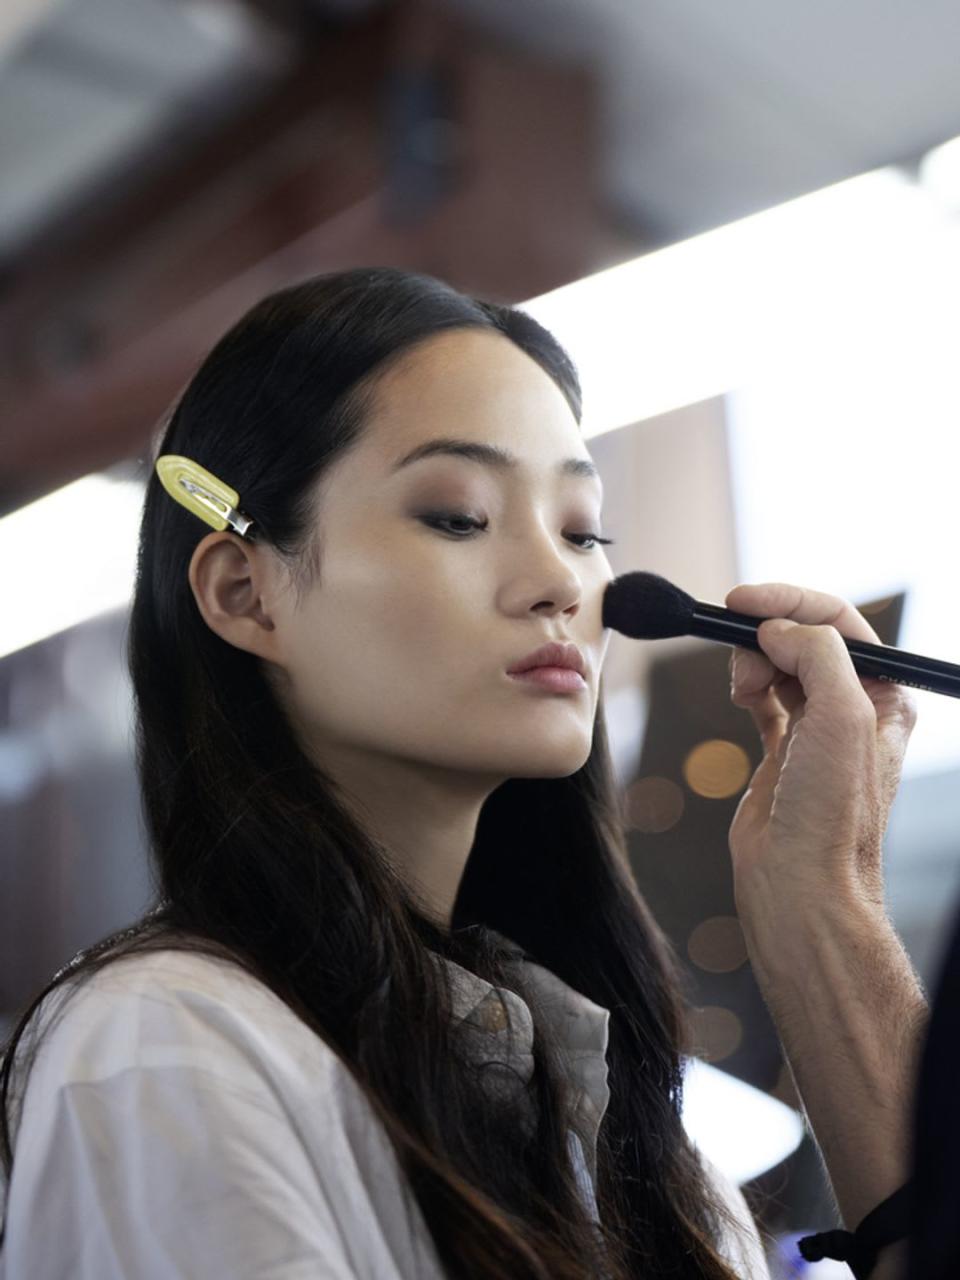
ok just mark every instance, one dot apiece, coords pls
pixel 400 650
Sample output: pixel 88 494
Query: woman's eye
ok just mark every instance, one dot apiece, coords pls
pixel 591 537
pixel 435 521
pixel 474 526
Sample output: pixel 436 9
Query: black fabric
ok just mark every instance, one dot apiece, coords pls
pixel 934 1249
pixel 889 1221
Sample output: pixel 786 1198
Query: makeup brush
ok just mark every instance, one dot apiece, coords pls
pixel 645 606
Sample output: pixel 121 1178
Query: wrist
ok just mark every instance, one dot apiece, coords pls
pixel 781 926
pixel 849 1011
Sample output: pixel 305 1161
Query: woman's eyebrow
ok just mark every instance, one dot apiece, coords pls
pixel 490 455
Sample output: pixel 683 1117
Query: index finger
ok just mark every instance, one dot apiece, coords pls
pixel 801 604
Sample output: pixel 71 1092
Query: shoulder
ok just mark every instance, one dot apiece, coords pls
pixel 180 1081
pixel 171 1008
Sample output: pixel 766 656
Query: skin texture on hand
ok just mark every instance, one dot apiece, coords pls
pixel 814 815
pixel 806 844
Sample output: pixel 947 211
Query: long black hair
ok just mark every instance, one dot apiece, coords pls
pixel 255 857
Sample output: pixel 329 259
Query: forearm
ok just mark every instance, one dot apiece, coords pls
pixel 851 1014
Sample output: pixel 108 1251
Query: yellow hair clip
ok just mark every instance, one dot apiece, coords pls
pixel 202 493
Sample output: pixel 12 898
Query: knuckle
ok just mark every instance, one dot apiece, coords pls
pixel 819 605
pixel 755 669
pixel 832 636
pixel 809 638
pixel 864 711
pixel 907 708
pixel 833 641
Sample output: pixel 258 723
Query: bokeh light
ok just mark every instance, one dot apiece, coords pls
pixel 717 945
pixel 654 804
pixel 718 1032
pixel 716 769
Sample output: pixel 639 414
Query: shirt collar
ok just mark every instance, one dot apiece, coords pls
pixel 499 1025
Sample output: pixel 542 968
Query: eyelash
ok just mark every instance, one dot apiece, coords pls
pixel 434 520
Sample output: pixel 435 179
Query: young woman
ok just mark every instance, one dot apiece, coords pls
pixel 399 1010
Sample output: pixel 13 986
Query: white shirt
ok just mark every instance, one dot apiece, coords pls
pixel 181 1123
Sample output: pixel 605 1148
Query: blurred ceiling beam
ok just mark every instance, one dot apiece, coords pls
pixel 404 138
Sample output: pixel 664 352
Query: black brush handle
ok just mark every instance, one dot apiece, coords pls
pixel 713 622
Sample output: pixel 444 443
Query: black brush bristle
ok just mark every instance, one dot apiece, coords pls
pixel 647 607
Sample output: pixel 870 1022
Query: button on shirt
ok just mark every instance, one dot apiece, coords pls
pixel 181 1123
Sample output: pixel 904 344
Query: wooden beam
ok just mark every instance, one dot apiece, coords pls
pixel 391 142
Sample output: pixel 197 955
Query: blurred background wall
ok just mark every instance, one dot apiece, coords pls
pixel 743 221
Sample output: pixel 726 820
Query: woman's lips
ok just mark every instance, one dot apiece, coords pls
pixel 556 679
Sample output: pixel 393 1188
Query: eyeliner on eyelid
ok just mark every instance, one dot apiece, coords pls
pixel 436 519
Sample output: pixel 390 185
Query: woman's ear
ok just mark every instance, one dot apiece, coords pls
pixel 238 587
